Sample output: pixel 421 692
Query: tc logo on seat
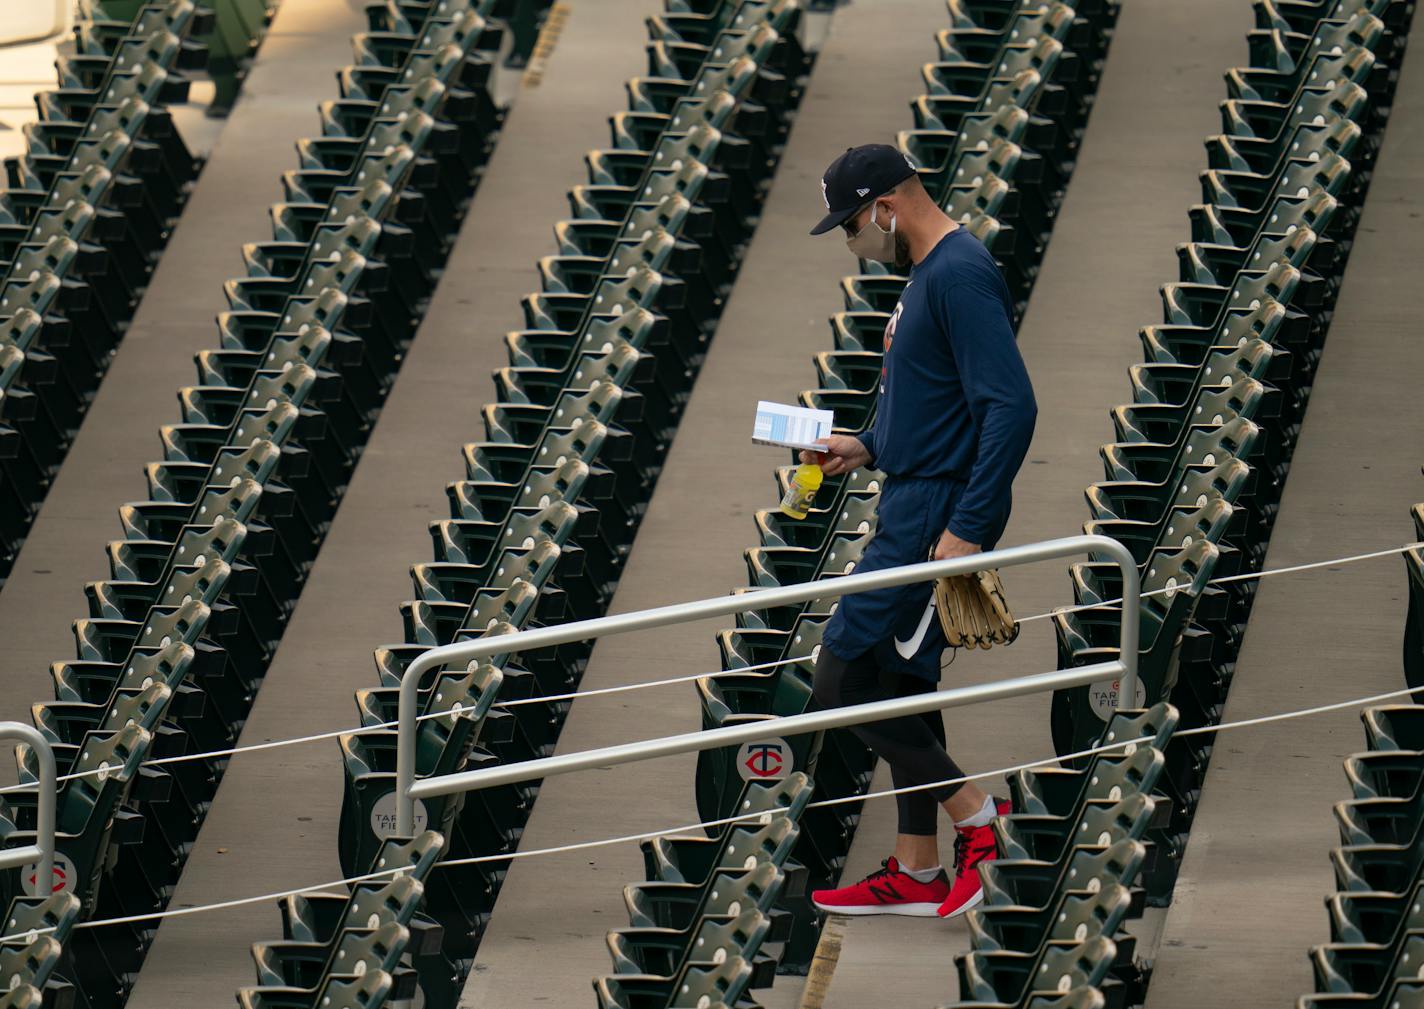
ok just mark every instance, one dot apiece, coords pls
pixel 63 880
pixel 765 760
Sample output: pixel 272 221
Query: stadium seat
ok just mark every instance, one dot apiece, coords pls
pixel 709 901
pixel 379 926
pixel 31 959
pixel 358 992
pixel 455 707
pixel 1069 862
pixel 666 952
pixel 1004 978
pixel 1373 928
pixel 717 986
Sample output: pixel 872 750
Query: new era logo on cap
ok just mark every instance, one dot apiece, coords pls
pixel 857 176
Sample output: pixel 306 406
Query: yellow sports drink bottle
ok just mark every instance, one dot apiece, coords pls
pixel 802 492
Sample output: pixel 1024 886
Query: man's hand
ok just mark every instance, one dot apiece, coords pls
pixel 843 453
pixel 950 545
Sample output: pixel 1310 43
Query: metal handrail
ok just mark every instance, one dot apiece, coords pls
pixel 42 851
pixel 1124 668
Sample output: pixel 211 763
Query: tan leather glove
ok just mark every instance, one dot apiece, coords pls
pixel 973 611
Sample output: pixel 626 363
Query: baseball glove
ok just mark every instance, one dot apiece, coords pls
pixel 973 611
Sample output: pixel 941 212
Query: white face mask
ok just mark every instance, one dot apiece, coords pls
pixel 872 242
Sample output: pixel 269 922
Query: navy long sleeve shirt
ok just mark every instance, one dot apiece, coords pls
pixel 955 398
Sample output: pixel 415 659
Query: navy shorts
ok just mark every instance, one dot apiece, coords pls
pixel 899 624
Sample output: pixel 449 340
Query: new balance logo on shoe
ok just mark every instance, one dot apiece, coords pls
pixel 888 890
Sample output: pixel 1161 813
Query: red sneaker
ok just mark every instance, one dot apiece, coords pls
pixel 973 847
pixel 887 890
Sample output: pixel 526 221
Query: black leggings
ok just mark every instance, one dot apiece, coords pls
pixel 913 745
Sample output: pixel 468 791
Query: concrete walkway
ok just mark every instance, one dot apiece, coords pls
pixel 273 824
pixel 1248 901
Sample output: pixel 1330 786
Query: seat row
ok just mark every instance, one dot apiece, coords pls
pixel 1193 480
pixel 37 929
pixel 358 948
pixel 1376 928
pixel 86 212
pixel 550 500
pixel 1048 934
pixel 1372 957
pixel 177 639
pixel 704 925
pixel 978 158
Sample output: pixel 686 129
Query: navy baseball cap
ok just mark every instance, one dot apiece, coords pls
pixel 858 176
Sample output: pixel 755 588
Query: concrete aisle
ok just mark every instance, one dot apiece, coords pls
pixel 294 71
pixel 690 544
pixel 1112 247
pixel 1248 901
pixel 273 824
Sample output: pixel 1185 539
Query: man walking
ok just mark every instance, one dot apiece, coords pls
pixel 954 418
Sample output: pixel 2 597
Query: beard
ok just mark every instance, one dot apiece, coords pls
pixel 902 253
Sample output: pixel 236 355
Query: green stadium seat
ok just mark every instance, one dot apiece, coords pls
pixel 682 906
pixel 664 952
pixel 367 991
pixel 31 963
pixel 694 860
pixel 1171 586
pixel 88 809
pixel 356 952
pixel 1078 914
pixel 718 987
pixel 1005 978
pixel 445 741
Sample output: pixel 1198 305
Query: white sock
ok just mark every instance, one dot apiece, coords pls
pixel 984 817
pixel 922 875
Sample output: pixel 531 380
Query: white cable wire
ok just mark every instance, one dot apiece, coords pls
pixel 1112 604
pixel 621 688
pixel 691 828
pixel 1107 604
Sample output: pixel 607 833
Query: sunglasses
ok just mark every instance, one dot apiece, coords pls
pixel 847 224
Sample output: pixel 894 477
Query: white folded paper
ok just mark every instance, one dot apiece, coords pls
pixel 791 426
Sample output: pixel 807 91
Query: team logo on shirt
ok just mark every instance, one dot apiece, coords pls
pixel 889 338
pixel 892 323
